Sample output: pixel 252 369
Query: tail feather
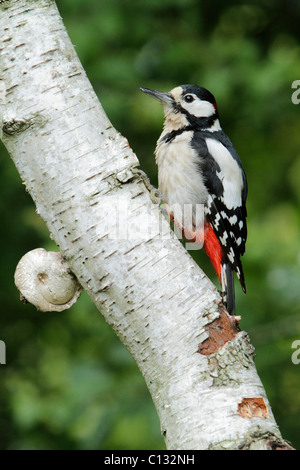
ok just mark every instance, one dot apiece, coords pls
pixel 227 282
pixel 223 267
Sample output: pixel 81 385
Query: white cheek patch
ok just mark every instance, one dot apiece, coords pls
pixel 199 108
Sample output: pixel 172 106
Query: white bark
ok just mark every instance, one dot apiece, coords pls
pixel 77 169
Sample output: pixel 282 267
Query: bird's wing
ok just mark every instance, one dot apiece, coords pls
pixel 226 183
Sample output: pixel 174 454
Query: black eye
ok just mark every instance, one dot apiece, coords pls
pixel 189 98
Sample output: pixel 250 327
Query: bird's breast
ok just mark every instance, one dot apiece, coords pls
pixel 179 176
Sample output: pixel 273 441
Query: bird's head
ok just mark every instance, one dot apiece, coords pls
pixel 187 105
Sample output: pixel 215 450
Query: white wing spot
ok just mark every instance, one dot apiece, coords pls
pixel 217 220
pixel 231 256
pixel 224 238
pixel 233 219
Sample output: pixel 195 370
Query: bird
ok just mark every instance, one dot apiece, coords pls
pixel 198 165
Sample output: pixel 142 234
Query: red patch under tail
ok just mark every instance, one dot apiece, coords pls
pixel 213 248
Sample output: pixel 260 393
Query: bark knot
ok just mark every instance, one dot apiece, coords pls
pixel 16 126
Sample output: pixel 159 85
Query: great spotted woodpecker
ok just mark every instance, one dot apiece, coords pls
pixel 197 164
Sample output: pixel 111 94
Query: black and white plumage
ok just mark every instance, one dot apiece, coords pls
pixel 197 164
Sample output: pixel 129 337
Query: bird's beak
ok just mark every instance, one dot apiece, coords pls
pixel 161 96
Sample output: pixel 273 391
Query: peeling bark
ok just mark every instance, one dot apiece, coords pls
pixel 253 407
pixel 220 331
pixel 83 178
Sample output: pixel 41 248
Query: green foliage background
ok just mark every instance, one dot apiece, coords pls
pixel 68 382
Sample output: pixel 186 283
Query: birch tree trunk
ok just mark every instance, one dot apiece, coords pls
pixel 83 178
